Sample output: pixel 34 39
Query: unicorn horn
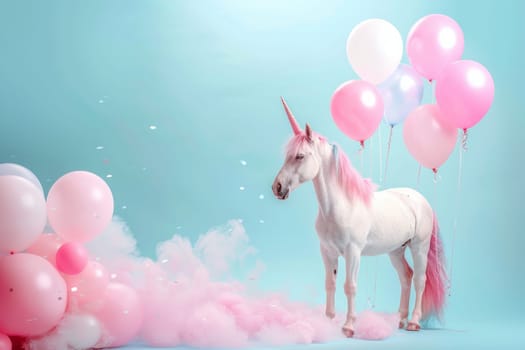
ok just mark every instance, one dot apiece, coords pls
pixel 295 126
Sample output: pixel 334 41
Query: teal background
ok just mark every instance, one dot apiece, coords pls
pixel 76 75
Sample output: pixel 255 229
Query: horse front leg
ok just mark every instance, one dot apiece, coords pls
pixel 352 260
pixel 330 266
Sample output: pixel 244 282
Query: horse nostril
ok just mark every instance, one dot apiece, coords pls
pixel 279 187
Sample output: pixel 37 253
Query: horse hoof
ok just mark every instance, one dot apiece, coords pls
pixel 330 315
pixel 413 326
pixel 348 332
pixel 401 324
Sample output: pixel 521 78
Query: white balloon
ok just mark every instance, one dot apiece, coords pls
pixel 81 331
pixel 374 49
pixel 18 170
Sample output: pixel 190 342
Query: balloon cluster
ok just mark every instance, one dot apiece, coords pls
pixel 47 280
pixel 56 296
pixel 393 91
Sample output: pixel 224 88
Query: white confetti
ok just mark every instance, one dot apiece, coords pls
pixel 99 147
pixel 261 221
pixel 153 127
pixel 100 101
pixel 124 207
pixel 261 196
pixel 242 188
pixel 243 163
pixel 109 176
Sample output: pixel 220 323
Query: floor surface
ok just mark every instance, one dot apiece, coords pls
pixel 486 336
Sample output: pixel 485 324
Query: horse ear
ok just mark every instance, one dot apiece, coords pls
pixel 308 132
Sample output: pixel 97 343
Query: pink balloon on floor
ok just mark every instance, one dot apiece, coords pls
pixel 5 342
pixel 357 108
pixel 33 295
pixel 464 93
pixel 120 315
pixel 71 258
pixel 22 213
pixel 46 246
pixel 432 42
pixel 427 140
pixel 87 286
pixel 80 206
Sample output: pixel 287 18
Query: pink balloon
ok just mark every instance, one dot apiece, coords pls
pixel 46 246
pixel 357 109
pixel 434 41
pixel 464 93
pixel 120 315
pixel 428 141
pixel 87 286
pixel 71 258
pixel 33 295
pixel 5 342
pixel 80 206
pixel 22 213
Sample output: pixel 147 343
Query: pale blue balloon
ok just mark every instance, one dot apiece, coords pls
pixel 402 92
pixel 18 170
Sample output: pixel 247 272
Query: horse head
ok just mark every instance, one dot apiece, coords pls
pixel 302 162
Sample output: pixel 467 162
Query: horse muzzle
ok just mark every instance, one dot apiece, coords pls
pixel 279 191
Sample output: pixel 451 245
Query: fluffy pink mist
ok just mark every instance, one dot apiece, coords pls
pixel 184 299
pixel 375 326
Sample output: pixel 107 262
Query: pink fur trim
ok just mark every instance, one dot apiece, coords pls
pixel 434 294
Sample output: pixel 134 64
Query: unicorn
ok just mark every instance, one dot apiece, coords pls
pixel 355 220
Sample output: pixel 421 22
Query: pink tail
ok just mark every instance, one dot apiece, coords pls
pixel 435 288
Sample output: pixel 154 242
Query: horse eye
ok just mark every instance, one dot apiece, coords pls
pixel 299 156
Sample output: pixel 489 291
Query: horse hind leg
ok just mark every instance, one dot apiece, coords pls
pixel 405 273
pixel 419 252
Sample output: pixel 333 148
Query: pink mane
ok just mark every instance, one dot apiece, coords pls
pixel 296 142
pixel 348 178
pixel 351 181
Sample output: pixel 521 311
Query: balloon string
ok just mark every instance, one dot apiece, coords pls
pixel 418 175
pixel 464 140
pixel 433 90
pixel 361 150
pixel 387 157
pixel 458 206
pixel 380 156
pixel 370 165
pixel 437 177
pixel 375 283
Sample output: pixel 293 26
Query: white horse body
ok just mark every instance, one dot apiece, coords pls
pixel 353 220
pixel 388 224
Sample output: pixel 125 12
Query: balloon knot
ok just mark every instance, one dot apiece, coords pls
pixel 464 139
pixel 434 170
pixel 362 143
pixel 12 252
